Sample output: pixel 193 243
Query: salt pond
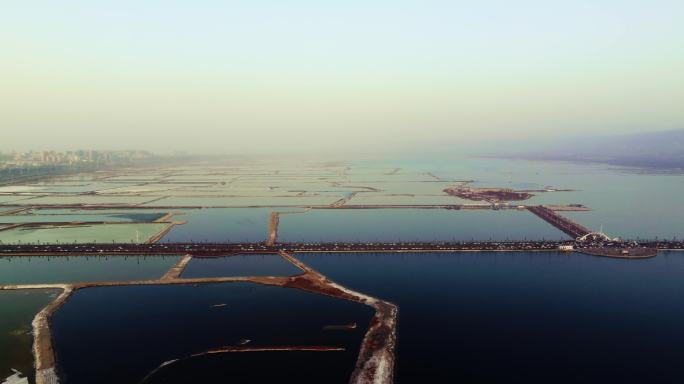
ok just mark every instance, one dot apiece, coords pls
pixel 65 269
pixel 413 224
pixel 240 265
pixel 145 326
pixel 224 224
pixel 95 233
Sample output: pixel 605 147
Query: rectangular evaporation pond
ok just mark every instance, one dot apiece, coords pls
pixel 221 225
pixel 240 265
pixel 367 225
pixel 242 201
pixel 95 233
pixel 143 326
pixel 406 187
pixel 87 199
pixel 17 309
pixel 12 199
pixel 378 199
pixel 65 269
pixel 136 178
pixel 119 217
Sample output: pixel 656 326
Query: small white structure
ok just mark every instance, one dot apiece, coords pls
pixel 566 248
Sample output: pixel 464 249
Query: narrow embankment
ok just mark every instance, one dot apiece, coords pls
pixel 569 227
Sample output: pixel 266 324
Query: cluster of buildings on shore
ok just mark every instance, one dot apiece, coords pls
pixel 43 158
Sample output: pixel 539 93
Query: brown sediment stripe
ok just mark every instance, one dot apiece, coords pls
pixel 11 226
pixel 267 280
pixel 13 212
pixel 273 221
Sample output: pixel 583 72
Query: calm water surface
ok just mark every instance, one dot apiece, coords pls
pixel 221 225
pixel 626 202
pixel 137 328
pixel 414 225
pixel 526 317
pixel 64 269
pixel 240 265
pixel 260 367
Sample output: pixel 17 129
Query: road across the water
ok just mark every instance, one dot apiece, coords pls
pixel 215 249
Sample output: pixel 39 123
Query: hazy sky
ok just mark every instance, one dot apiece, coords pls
pixel 229 75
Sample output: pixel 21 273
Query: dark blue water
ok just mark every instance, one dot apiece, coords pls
pixel 526 317
pixel 120 334
pixel 240 265
pixel 258 367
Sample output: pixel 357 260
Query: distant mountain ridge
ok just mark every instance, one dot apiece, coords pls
pixel 663 149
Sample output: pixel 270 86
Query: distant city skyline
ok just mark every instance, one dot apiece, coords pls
pixel 302 76
pixel 52 157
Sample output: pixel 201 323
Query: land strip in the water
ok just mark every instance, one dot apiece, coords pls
pixel 177 270
pixel 274 221
pixel 570 227
pixel 223 249
pixel 337 204
pixel 375 362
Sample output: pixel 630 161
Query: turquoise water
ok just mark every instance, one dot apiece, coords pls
pixel 89 233
pixel 244 201
pixel 64 269
pixel 58 218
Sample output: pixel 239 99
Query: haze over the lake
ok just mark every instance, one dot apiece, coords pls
pixel 256 75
